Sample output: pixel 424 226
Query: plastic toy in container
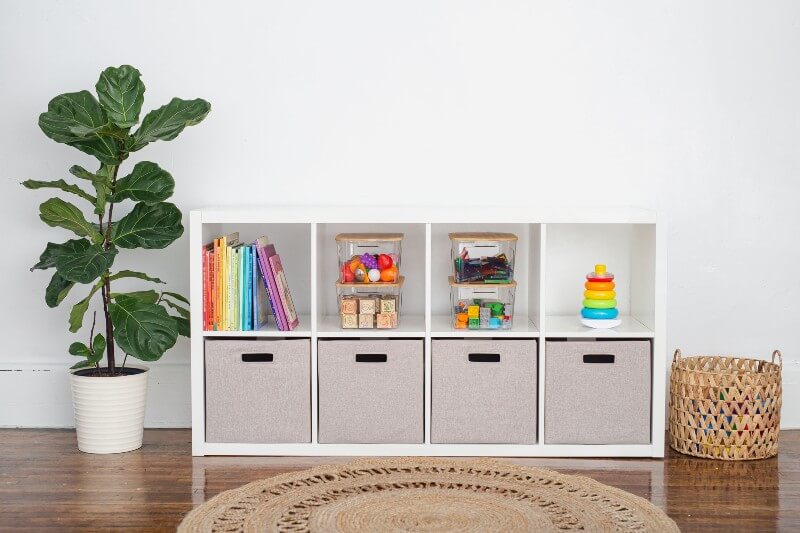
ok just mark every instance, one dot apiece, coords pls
pixel 369 257
pixel 483 257
pixel 600 300
pixel 369 306
pixel 481 306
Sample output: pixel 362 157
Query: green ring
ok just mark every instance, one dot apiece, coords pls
pixel 599 304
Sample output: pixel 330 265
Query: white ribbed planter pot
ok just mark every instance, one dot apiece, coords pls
pixel 109 411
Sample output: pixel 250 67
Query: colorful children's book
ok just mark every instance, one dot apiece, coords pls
pixel 262 244
pixel 283 290
pixel 260 295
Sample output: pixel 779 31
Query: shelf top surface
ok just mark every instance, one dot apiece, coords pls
pixel 421 215
pixel 571 326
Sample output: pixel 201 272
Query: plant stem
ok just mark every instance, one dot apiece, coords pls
pixel 107 282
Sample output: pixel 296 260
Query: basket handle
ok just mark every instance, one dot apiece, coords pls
pixel 676 356
pixel 780 357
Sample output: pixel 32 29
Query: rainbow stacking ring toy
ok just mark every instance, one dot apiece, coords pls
pixel 600 300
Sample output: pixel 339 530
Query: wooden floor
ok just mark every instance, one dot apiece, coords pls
pixel 45 483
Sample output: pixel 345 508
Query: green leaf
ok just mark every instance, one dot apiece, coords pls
pixel 80 172
pixel 148 183
pixel 53 250
pixel 150 296
pixel 81 364
pixel 58 213
pixel 121 94
pixel 183 326
pixel 148 226
pixel 59 184
pixel 79 349
pixel 177 296
pixel 57 290
pixel 133 274
pixel 85 264
pixel 98 347
pixel 101 181
pixel 141 329
pixel 181 310
pixel 80 308
pixel 72 119
pixel 166 122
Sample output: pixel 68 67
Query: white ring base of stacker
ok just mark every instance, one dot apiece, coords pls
pixel 601 324
pixel 109 412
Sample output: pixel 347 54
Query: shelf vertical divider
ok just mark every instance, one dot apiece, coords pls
pixel 427 341
pixel 197 356
pixel 661 359
pixel 542 330
pixel 314 330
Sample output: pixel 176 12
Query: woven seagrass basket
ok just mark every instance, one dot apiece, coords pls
pixel 725 407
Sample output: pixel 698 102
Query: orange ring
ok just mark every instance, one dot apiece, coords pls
pixel 599 285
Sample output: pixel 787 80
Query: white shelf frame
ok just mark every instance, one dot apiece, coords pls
pixel 429 326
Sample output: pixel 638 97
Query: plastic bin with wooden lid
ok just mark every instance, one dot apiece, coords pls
pixel 368 306
pixel 369 257
pixel 483 257
pixel 482 305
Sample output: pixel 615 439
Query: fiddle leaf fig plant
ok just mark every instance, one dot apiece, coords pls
pixel 143 324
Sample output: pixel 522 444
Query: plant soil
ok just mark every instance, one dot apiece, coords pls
pixel 103 372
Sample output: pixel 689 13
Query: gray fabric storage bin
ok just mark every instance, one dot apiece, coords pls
pixel 597 392
pixel 258 390
pixel 371 391
pixel 483 391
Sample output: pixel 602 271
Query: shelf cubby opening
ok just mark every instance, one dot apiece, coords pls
pixel 628 250
pixel 412 268
pixel 293 243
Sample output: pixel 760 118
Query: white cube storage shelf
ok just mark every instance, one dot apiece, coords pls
pixel 556 248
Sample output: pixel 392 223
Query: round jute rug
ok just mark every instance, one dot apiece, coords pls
pixel 425 494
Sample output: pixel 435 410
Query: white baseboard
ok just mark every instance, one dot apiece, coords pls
pixel 37 395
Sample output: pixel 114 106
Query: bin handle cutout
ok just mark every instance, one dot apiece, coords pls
pixel 257 358
pixel 598 358
pixel 484 357
pixel 371 358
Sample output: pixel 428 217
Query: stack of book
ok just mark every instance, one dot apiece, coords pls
pixel 242 283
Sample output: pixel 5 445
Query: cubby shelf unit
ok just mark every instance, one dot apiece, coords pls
pixel 556 248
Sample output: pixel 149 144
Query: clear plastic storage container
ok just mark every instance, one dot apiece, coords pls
pixel 369 257
pixel 368 306
pixel 482 305
pixel 483 257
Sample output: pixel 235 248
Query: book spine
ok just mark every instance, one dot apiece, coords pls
pixel 254 288
pixel 242 293
pixel 231 283
pixel 206 288
pixel 223 280
pixel 249 289
pixel 283 291
pixel 272 293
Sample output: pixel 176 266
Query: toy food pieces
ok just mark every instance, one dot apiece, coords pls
pixel 369 257
pixel 599 300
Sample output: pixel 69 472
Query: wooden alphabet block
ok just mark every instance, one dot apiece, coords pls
pixel 384 321
pixel 366 306
pixel 388 305
pixel 349 306
pixel 349 321
pixel 366 321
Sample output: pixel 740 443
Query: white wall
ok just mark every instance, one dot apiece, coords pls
pixel 688 107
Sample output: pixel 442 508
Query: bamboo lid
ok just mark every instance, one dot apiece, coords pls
pixel 369 237
pixel 454 283
pixel 398 283
pixel 482 236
